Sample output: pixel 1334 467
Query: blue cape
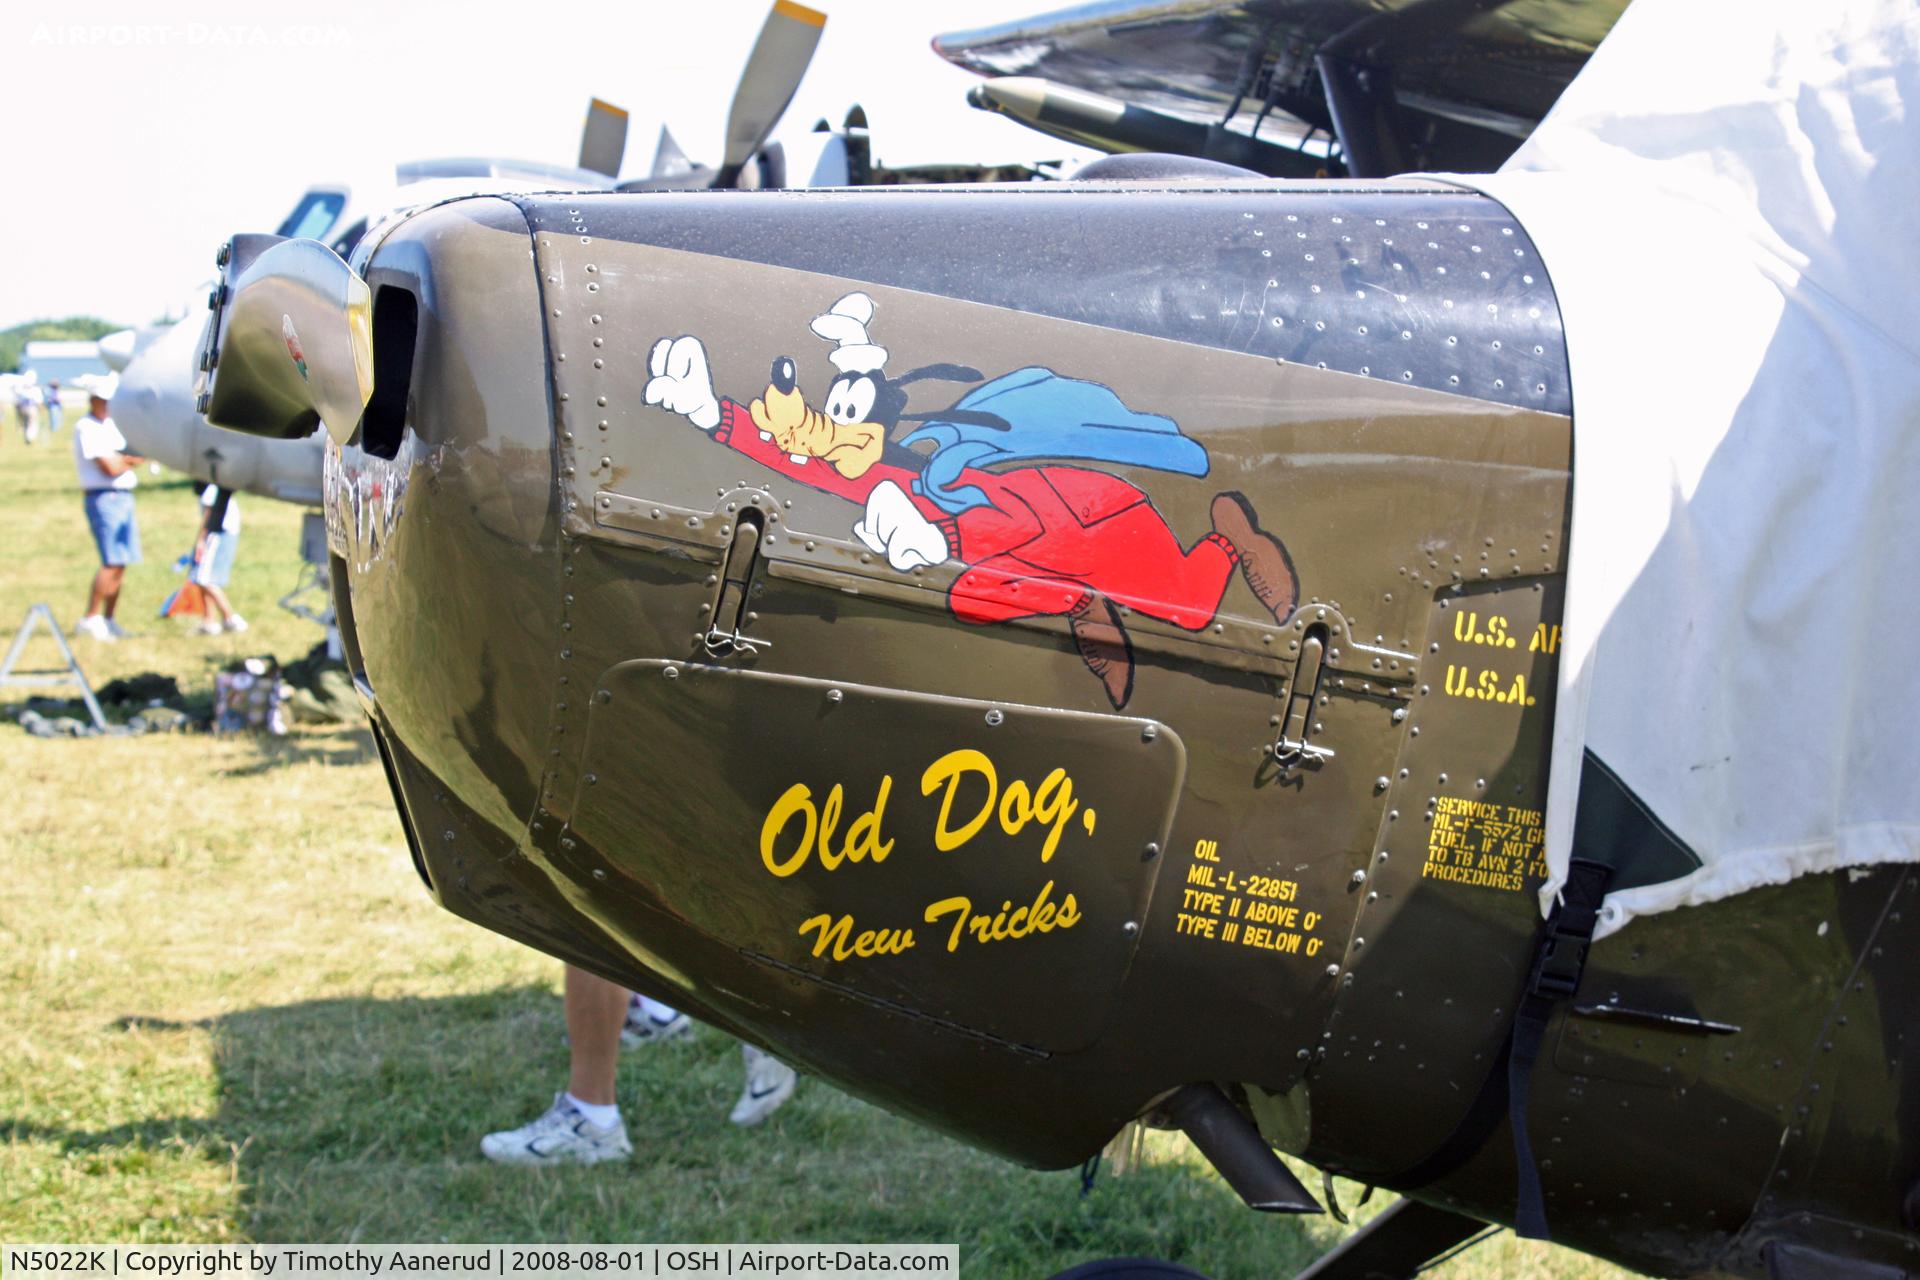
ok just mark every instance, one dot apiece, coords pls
pixel 1035 413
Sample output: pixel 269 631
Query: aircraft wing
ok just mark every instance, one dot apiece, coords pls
pixel 1401 85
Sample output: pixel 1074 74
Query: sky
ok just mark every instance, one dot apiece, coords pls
pixel 137 136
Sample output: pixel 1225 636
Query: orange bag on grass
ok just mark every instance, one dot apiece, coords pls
pixel 186 599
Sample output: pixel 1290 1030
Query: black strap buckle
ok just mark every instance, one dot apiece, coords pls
pixel 1554 978
pixel 1556 973
pixel 1569 931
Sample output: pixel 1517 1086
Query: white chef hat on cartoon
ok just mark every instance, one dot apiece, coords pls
pixel 845 324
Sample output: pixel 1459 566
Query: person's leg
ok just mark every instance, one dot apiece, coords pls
pixel 97 592
pixel 97 589
pixel 215 609
pixel 109 581
pixel 224 547
pixel 596 1009
pixel 583 1124
pixel 121 547
pixel 214 599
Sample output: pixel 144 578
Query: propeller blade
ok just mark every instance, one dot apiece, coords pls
pixel 669 161
pixel 773 72
pixel 603 138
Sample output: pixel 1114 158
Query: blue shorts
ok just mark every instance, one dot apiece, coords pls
pixel 216 567
pixel 115 535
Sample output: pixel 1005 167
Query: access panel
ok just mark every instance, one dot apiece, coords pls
pixel 982 864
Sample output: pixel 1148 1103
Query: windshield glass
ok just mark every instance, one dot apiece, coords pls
pixel 317 210
pixel 348 239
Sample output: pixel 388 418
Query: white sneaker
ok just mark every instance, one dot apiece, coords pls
pixel 94 627
pixel 209 628
pixel 115 628
pixel 561 1136
pixel 769 1083
pixel 236 623
pixel 644 1026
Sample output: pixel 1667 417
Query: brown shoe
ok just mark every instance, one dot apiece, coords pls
pixel 1103 645
pixel 1263 558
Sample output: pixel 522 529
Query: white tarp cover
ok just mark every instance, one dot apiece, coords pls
pixel 1728 202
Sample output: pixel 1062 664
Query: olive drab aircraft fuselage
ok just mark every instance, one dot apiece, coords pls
pixel 1044 657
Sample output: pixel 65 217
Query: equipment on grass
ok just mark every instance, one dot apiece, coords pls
pixel 41 616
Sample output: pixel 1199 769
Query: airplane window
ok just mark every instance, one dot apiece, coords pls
pixel 316 212
pixel 344 244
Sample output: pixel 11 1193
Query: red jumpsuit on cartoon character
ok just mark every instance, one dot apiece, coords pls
pixel 1047 536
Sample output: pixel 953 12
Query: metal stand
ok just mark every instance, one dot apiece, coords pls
pixel 41 615
pixel 315 580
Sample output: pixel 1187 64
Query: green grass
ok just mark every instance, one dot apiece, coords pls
pixel 229 1013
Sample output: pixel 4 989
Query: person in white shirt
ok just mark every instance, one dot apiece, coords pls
pixel 213 553
pixel 27 406
pixel 107 474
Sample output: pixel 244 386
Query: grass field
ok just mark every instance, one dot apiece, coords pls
pixel 229 1013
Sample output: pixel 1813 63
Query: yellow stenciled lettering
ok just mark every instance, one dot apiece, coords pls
pixel 829 819
pixel 1016 807
pixel 1054 804
pixel 830 932
pixel 1042 915
pixel 1468 629
pixel 864 839
pixel 948 770
pixel 836 938
pixel 956 907
pixel 797 799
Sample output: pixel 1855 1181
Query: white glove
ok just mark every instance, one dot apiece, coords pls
pixel 682 382
pixel 894 527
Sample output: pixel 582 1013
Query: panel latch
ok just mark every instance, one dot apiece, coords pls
pixel 1293 746
pixel 726 635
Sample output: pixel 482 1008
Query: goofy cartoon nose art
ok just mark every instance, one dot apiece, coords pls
pixel 1000 492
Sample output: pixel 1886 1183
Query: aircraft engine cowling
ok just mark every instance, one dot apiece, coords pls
pixel 887 622
pixel 1040 657
pixel 1034 656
